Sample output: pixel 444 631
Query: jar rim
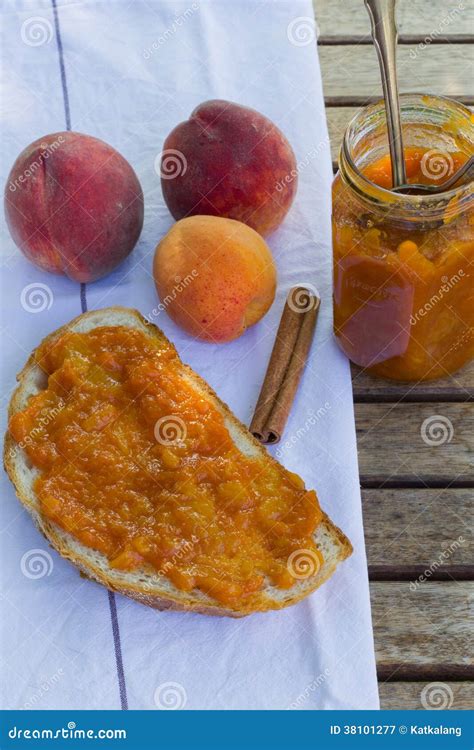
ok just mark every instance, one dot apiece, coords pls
pixel 372 192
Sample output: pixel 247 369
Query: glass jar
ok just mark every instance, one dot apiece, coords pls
pixel 403 264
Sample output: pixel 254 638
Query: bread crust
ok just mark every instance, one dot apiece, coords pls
pixel 94 565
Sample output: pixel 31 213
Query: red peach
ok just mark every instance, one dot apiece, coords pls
pixel 73 205
pixel 230 161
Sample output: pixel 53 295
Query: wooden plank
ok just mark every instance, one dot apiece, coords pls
pixel 338 119
pixel 456 387
pixel 416 444
pixel 426 630
pixel 418 534
pixel 434 19
pixel 454 696
pixel 441 69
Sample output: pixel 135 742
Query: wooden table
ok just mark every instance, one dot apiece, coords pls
pixel 417 499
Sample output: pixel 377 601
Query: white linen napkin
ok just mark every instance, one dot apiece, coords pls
pixel 128 72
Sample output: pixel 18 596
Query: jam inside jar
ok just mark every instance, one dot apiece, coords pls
pixel 404 264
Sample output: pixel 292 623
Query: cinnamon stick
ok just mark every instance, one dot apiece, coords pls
pixel 287 361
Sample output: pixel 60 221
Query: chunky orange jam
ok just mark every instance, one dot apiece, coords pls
pixel 422 167
pixel 137 463
pixel 403 288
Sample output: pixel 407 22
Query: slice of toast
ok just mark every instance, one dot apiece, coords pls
pixel 145 584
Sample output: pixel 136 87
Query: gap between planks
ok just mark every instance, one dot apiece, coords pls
pixel 411 483
pixel 346 39
pixel 424 672
pixel 413 396
pixel 415 572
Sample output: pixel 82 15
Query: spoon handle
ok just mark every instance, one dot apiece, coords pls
pixel 384 35
pixel 466 172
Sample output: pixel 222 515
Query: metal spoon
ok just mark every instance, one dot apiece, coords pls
pixel 467 170
pixel 385 35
